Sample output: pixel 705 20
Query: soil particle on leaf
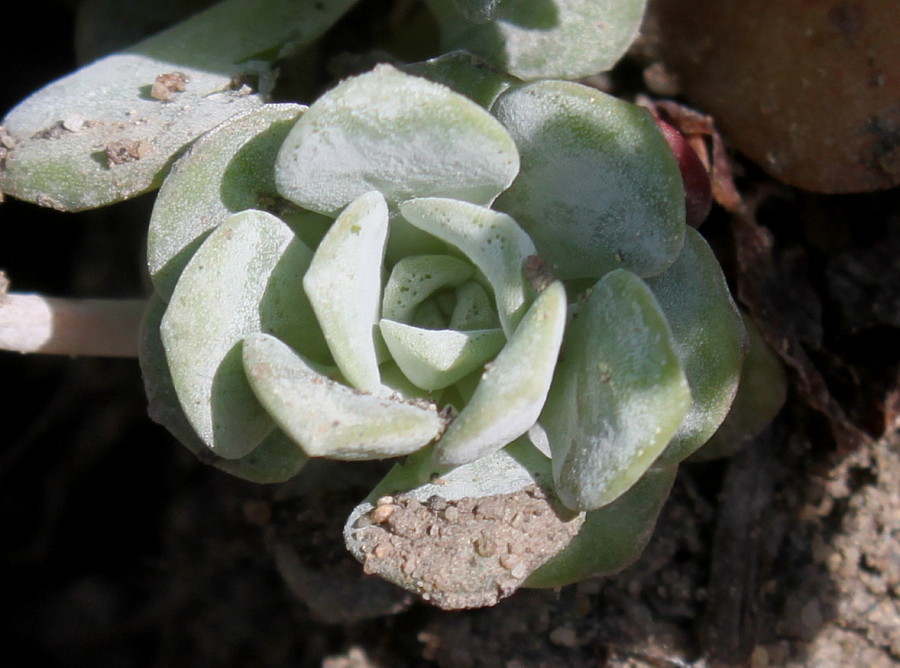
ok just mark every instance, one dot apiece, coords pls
pixel 167 85
pixel 120 151
pixel 463 553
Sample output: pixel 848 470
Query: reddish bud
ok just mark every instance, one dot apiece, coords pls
pixel 697 190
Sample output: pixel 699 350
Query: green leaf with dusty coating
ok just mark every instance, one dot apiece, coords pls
pixel 536 39
pixel 465 73
pixel 110 130
pixel 415 278
pixel 435 358
pixel 327 418
pixel 276 459
pixel 513 388
pixel 598 188
pixel 709 337
pixel 344 287
pixel 245 278
pixel 612 537
pixel 619 394
pixel 398 134
pixel 760 396
pixel 492 241
pixel 227 170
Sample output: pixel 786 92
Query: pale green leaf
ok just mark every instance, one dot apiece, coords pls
pixel 598 188
pixel 709 337
pixel 99 136
pixel 473 309
pixel 761 394
pixel 398 134
pixel 492 241
pixel 611 537
pixel 565 39
pixel 465 73
pixel 435 358
pixel 276 459
pixel 245 278
pixel 415 278
pixel 344 286
pixel 227 170
pixel 513 387
pixel 327 418
pixel 619 394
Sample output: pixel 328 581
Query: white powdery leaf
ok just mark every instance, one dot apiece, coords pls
pixel 102 133
pixel 563 39
pixel 344 287
pixel 227 170
pixel 619 394
pixel 491 240
pixel 327 418
pixel 413 279
pixel 598 189
pixel 225 293
pixel 514 386
pixel 432 359
pixel 399 134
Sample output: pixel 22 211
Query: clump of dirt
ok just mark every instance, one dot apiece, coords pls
pixel 464 553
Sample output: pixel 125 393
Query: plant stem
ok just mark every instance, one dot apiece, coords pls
pixel 31 323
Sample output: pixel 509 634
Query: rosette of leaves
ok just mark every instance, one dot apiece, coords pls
pixel 497 288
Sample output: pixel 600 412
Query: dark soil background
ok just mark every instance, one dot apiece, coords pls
pixel 117 548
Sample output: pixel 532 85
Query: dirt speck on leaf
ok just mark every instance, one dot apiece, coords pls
pixel 120 151
pixel 166 85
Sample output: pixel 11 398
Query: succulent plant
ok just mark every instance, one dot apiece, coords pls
pixel 482 273
pixel 500 290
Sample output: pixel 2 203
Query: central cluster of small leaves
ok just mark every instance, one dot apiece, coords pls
pixel 402 267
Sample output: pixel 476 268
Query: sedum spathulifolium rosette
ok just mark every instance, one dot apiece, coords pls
pixel 501 294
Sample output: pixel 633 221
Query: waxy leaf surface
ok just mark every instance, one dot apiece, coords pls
pixel 399 134
pixel 344 286
pixel 245 278
pixel 709 338
pixel 619 394
pixel 229 169
pixel 98 135
pixel 492 241
pixel 327 418
pixel 513 388
pixel 276 459
pixel 566 39
pixel 598 187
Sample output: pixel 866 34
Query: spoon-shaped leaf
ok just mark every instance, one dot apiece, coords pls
pixel 611 537
pixel 566 39
pixel 327 418
pixel 513 387
pixel 276 459
pixel 435 358
pixel 598 188
pixel 344 286
pixel 245 278
pixel 709 337
pixel 109 130
pixel 415 278
pixel 619 394
pixel 396 133
pixel 227 170
pixel 466 74
pixel 492 241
